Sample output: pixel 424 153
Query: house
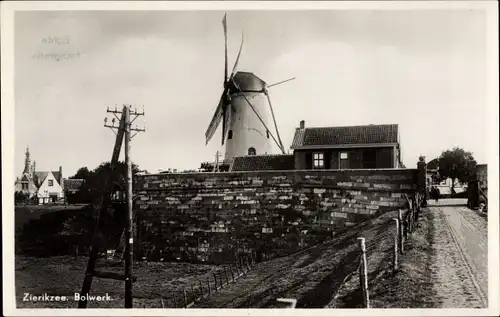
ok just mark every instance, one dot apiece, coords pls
pixel 50 186
pixel 347 147
pixel 44 186
pixel 72 188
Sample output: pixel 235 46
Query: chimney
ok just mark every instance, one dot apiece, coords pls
pixel 60 176
pixel 302 124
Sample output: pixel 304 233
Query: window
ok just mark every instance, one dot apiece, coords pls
pixel 51 182
pixel 318 160
pixel 25 185
pixel 344 160
pixel 252 151
pixel 369 159
pixel 230 135
pixel 267 133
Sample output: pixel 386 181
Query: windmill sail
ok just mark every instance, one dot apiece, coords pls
pixel 214 123
pixel 224 25
pixel 221 112
pixel 282 148
pixel 238 57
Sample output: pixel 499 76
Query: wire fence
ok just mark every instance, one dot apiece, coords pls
pixel 405 226
pixel 195 292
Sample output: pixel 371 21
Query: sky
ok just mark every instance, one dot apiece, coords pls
pixel 422 69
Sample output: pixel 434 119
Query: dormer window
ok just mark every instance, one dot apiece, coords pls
pixel 230 135
pixel 252 151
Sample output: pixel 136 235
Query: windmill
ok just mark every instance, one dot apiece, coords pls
pixel 245 111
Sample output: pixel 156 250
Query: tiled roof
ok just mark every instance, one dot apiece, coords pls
pixel 40 177
pixel 73 184
pixel 263 163
pixel 57 175
pixel 350 135
pixel 298 138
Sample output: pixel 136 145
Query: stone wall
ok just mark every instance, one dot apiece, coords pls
pixel 216 217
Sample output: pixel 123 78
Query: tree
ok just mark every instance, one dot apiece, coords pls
pixel 98 180
pixel 457 164
pixel 82 173
pixel 20 197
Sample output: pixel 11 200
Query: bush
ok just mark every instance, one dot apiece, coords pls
pixel 20 197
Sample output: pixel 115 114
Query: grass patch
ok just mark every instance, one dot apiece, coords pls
pixel 412 285
pixel 64 276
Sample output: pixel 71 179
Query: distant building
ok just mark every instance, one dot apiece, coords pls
pixel 482 175
pixel 44 186
pixel 348 147
pixel 72 188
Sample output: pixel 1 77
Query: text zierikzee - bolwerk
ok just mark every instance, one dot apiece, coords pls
pixel 28 297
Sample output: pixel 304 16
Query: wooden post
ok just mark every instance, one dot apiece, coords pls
pixel 129 239
pixel 94 248
pixel 396 242
pixel 175 301
pixel 400 231
pixel 363 276
pixel 185 299
pixel 221 279
pixel 237 269
pixel 248 263
pixel 225 274
pixel 201 289
pixel 208 285
pixel 162 304
pixel 242 267
pixel 411 220
pixel 215 281
pixel 287 302
pixel 232 271
pixel 417 210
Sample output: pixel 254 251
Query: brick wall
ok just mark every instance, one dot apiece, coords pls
pixel 217 217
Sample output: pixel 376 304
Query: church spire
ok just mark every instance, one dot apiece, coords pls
pixel 27 161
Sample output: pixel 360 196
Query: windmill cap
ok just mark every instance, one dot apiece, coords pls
pixel 247 81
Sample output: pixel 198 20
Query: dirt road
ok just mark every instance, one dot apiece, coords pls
pixel 460 255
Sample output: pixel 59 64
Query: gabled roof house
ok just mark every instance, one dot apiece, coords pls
pixel 347 147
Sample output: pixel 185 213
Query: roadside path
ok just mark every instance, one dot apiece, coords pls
pixel 460 255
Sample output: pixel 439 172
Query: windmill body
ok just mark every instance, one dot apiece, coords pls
pixel 247 134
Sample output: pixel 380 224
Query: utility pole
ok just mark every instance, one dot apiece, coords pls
pixel 217 156
pixel 129 239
